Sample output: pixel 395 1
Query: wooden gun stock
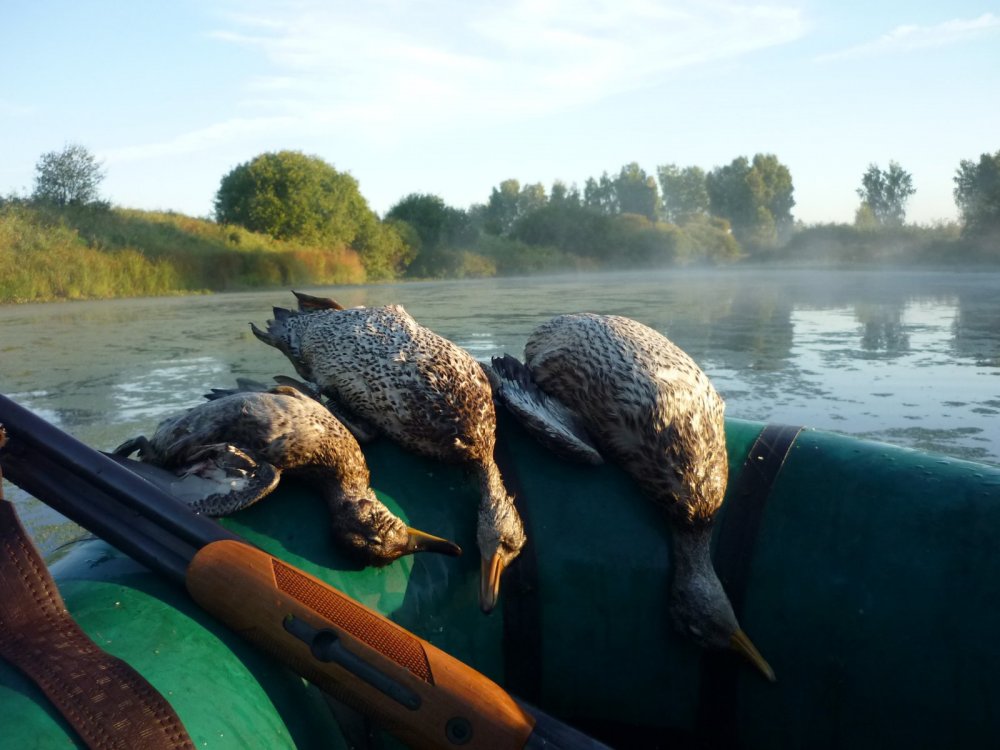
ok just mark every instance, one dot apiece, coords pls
pixel 417 692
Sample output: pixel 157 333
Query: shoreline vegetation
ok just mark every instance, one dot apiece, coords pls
pixel 288 219
pixel 97 252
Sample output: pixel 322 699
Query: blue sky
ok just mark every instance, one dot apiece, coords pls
pixel 451 98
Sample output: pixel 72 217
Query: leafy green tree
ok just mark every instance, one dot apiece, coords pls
pixel 636 193
pixel 427 214
pixel 864 218
pixel 685 194
pixel 755 197
pixel 730 195
pixel 886 192
pixel 289 195
pixel 438 229
pixel 531 198
pixel 600 195
pixel 563 195
pixel 775 190
pixel 571 228
pixel 67 177
pixel 383 247
pixel 511 202
pixel 977 194
pixel 501 209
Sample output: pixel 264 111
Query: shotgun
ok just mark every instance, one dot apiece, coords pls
pixel 415 691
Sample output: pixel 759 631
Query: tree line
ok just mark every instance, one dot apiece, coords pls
pixel 676 215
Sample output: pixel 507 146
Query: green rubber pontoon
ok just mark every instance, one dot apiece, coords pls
pixel 867 575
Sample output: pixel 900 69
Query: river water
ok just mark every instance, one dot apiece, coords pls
pixel 906 358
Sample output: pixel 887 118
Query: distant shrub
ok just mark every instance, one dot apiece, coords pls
pixel 861 244
pixel 514 258
pixel 708 239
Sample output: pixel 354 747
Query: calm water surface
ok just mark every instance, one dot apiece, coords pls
pixel 906 358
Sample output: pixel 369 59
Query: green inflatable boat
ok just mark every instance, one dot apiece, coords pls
pixel 867 575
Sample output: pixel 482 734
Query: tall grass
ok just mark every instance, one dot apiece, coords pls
pixel 99 252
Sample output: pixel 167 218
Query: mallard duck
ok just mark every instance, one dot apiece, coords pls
pixel 628 392
pixel 419 389
pixel 282 430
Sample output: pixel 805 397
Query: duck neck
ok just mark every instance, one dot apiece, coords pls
pixel 491 487
pixel 693 576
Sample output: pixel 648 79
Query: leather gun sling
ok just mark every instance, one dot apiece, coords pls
pixel 109 704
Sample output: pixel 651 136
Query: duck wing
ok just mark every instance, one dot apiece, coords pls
pixel 363 430
pixel 217 481
pixel 309 389
pixel 243 385
pixel 547 419
pixel 249 385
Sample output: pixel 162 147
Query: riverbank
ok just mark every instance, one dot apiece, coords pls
pixel 97 252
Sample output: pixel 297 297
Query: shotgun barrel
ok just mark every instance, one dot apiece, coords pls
pixel 420 694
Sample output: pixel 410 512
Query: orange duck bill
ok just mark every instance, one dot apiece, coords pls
pixel 741 644
pixel 489 582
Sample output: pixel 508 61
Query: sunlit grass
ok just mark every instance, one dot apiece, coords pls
pixel 98 252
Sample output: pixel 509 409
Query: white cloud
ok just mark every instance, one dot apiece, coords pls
pixel 526 57
pixel 198 140
pixel 376 68
pixel 909 38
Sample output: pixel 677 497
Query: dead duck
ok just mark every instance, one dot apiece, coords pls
pixel 282 430
pixel 627 392
pixel 384 372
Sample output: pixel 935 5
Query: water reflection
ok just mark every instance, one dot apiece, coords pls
pixel 974 334
pixel 882 329
pixel 912 358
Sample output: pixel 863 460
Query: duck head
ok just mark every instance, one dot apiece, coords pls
pixel 699 606
pixel 370 533
pixel 500 536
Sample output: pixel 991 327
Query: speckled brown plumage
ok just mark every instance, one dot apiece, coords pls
pixel 414 386
pixel 652 410
pixel 647 404
pixel 296 434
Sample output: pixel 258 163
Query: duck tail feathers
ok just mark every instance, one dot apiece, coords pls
pixel 279 333
pixel 309 303
pixel 283 334
pixel 266 336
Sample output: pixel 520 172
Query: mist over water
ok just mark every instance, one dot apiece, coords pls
pixel 907 358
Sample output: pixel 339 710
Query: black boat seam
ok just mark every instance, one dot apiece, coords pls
pixel 735 540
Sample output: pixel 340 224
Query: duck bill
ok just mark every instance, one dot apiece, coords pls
pixel 742 645
pixel 420 541
pixel 489 582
